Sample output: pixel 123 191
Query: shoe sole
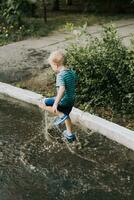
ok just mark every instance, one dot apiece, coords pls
pixel 60 121
pixel 69 139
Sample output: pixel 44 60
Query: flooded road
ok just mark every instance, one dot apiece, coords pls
pixel 33 168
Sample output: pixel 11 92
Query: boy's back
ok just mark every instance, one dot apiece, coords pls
pixel 67 78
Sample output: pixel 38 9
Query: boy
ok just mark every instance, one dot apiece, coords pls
pixel 62 104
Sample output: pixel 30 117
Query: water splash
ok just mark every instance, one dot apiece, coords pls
pixel 45 125
pixel 44 131
pixel 53 140
pixel 71 147
pixel 75 145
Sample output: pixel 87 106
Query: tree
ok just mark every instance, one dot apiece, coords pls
pixel 56 5
pixel 32 7
pixel 13 12
pixel 69 2
pixel 44 10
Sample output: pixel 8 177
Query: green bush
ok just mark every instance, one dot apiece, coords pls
pixel 11 33
pixel 109 6
pixel 105 69
pixel 13 11
pixel 12 26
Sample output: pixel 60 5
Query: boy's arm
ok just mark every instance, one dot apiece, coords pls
pixel 60 94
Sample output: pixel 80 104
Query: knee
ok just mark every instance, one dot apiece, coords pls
pixel 42 106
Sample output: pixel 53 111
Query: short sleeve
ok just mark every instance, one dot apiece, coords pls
pixel 60 80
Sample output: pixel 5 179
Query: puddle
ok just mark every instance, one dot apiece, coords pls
pixel 35 168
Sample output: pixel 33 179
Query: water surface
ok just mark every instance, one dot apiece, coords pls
pixel 32 168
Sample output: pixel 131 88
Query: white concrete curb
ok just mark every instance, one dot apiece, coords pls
pixel 21 94
pixel 113 131
pixel 109 129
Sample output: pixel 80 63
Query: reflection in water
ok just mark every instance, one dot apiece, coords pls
pixel 36 167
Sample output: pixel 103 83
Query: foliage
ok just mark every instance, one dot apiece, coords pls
pixel 13 11
pixel 11 33
pixel 105 69
pixel 34 27
pixel 109 6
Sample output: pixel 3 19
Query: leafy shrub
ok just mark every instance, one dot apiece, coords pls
pixel 105 69
pixel 109 6
pixel 14 10
pixel 11 33
pixel 12 26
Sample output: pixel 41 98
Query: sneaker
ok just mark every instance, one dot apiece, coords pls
pixel 69 136
pixel 60 119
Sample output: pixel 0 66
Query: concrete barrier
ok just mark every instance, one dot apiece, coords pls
pixel 111 130
pixel 21 94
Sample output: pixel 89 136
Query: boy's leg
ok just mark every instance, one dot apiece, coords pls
pixel 68 124
pixel 68 132
pixel 50 109
pixel 47 105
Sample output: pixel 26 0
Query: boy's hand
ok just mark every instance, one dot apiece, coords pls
pixel 58 98
pixel 55 107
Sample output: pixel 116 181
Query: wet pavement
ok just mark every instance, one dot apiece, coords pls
pixel 34 168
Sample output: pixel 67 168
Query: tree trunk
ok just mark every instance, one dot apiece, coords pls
pixel 56 6
pixel 44 10
pixel 69 2
pixel 33 10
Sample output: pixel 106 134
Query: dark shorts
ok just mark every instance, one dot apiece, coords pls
pixel 64 109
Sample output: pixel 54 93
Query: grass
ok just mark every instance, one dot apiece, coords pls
pixel 57 21
pixel 35 27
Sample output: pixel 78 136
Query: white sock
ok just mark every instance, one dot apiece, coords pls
pixel 69 133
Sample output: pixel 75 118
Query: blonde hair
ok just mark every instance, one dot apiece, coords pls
pixel 56 57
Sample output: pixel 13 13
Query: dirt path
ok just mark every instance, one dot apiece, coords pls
pixel 27 58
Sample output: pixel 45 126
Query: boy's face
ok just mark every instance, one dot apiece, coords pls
pixel 54 66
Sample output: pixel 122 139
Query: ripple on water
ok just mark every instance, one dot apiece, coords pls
pixel 32 167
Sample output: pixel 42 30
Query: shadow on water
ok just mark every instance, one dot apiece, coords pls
pixel 35 168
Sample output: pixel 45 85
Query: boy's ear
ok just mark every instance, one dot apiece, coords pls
pixel 57 65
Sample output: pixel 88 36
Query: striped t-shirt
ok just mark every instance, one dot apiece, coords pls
pixel 67 78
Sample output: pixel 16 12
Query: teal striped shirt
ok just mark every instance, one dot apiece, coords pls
pixel 67 78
